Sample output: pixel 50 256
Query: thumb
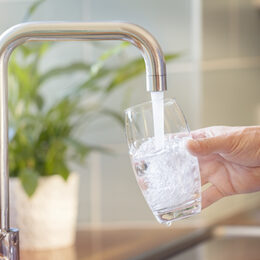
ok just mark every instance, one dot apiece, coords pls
pixel 206 146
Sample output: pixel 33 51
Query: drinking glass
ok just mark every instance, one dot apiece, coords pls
pixel 168 176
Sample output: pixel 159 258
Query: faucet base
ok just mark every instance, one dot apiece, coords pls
pixel 9 244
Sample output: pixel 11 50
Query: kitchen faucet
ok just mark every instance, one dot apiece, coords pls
pixel 62 31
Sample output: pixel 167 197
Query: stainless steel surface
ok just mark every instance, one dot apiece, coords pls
pixel 237 231
pixel 9 244
pixel 64 31
pixel 238 236
pixel 177 246
pixel 226 243
pixel 212 237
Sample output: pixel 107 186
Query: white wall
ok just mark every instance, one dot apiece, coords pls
pixel 231 54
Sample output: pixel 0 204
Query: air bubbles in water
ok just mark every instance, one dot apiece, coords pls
pixel 141 167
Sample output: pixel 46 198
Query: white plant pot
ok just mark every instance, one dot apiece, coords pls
pixel 48 219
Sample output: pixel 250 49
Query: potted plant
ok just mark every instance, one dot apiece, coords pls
pixel 42 139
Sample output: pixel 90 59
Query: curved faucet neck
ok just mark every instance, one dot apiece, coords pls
pixel 63 31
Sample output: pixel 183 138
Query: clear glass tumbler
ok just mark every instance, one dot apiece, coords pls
pixel 168 176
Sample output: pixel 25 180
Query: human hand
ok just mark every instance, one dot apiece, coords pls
pixel 229 159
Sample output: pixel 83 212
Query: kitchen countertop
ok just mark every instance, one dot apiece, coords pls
pixel 236 237
pixel 110 244
pixel 128 243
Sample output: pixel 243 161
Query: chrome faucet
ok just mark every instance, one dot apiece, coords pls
pixel 62 31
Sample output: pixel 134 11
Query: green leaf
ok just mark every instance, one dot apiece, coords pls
pixel 114 51
pixel 62 170
pixel 64 70
pixel 125 73
pixel 39 101
pixel 91 83
pixel 32 9
pixel 42 48
pixel 115 115
pixel 25 50
pixel 106 55
pixel 29 180
pixel 131 70
pixel 169 57
pixel 38 49
pixel 81 150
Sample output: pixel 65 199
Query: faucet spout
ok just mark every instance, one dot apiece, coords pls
pixel 103 31
pixel 66 31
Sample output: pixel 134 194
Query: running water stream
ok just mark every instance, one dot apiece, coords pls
pixel 158 118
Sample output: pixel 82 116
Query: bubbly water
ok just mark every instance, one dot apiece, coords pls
pixel 158 118
pixel 169 178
